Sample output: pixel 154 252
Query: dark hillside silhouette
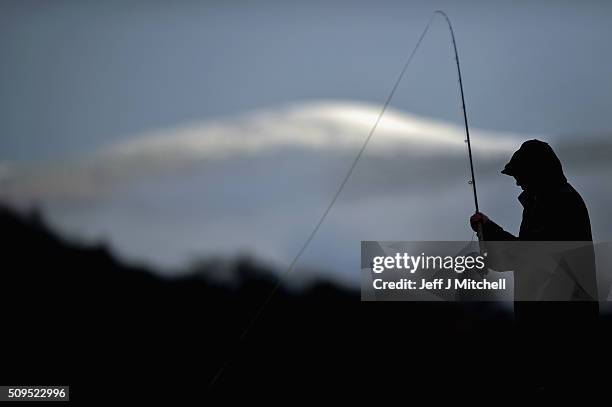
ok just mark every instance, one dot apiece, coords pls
pixel 74 314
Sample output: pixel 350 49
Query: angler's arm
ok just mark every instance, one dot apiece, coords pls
pixel 495 233
pixel 499 256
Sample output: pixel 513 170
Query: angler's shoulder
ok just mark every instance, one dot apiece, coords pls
pixel 568 196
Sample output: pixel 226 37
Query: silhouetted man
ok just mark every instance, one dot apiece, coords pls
pixel 553 210
pixel 551 332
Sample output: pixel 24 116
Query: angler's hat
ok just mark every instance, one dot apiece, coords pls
pixel 530 157
pixel 537 160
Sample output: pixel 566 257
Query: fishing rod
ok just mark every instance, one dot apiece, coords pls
pixel 465 120
pixel 312 234
pixel 472 180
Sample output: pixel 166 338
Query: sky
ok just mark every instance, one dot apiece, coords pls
pixel 180 130
pixel 77 75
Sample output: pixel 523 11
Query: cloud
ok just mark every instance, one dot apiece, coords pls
pixel 339 127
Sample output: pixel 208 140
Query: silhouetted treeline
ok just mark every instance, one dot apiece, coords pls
pixel 74 314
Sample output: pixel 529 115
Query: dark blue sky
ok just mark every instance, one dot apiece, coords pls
pixel 76 75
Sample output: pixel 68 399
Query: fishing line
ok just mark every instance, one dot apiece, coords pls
pixel 312 234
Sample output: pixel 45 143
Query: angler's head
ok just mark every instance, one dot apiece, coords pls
pixel 535 166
